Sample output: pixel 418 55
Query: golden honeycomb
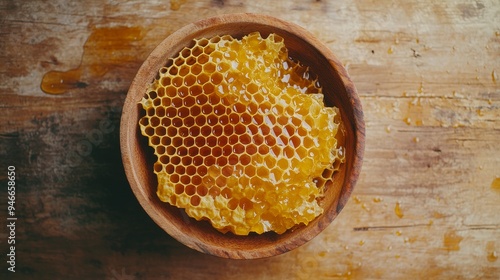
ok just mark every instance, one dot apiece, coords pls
pixel 241 133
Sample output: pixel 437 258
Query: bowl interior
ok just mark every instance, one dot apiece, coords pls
pixel 138 157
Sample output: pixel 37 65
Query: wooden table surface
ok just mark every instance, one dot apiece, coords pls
pixel 427 205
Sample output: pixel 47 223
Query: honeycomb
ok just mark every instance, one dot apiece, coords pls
pixel 241 133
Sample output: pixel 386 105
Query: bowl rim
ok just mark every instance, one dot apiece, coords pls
pixel 128 131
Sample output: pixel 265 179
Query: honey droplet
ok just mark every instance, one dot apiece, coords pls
pixel 451 241
pixel 416 139
pixel 377 199
pixel 176 4
pixel 398 210
pixel 494 76
pixel 390 50
pixel 492 256
pixel 57 82
pixel 364 206
pixel 421 88
pixel 388 129
pixel 361 242
pixel 357 199
pixel 407 120
pixel 438 215
pixel 398 233
pixel 495 185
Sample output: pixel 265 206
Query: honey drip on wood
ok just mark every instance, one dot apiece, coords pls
pixel 495 185
pixel 491 254
pixel 176 4
pixel 451 241
pixel 398 210
pixel 105 50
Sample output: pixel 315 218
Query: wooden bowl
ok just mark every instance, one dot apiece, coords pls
pixel 138 157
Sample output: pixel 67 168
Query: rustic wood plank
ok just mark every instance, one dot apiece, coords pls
pixel 428 75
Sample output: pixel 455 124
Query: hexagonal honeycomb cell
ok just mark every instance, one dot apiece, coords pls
pixel 242 135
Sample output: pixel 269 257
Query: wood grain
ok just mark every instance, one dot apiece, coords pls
pixel 427 73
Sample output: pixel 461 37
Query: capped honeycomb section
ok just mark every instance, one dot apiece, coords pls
pixel 242 135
